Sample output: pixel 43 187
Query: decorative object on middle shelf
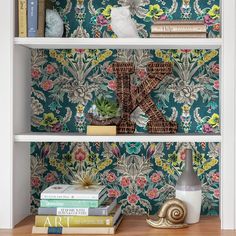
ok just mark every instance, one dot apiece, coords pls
pixel 77 209
pixel 179 29
pixel 140 97
pixel 103 116
pixel 188 189
pixel 171 215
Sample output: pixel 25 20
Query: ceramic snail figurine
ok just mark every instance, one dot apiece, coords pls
pixel 171 215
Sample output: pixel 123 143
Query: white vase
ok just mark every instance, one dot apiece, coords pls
pixel 188 189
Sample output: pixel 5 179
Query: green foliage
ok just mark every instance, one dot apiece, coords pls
pixel 107 108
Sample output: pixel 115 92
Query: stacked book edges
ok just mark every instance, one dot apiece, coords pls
pixel 178 29
pixel 71 209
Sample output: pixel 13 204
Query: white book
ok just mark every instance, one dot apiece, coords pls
pixel 65 191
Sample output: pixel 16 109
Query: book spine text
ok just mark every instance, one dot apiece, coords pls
pixel 32 18
pixel 22 17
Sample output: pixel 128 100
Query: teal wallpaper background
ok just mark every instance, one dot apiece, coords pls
pixel 66 83
pixel 141 175
pixel 91 18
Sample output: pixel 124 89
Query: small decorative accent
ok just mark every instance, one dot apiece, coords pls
pixel 54 24
pixel 86 179
pixel 129 101
pixel 171 215
pixel 122 23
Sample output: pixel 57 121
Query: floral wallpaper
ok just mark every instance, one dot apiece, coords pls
pixel 67 83
pixel 141 175
pixel 91 18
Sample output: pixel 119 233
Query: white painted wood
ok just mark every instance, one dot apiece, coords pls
pixel 21 123
pixel 227 164
pixel 70 137
pixel 15 163
pixel 129 43
pixel 6 143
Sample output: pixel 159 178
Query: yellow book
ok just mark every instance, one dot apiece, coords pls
pixel 22 18
pixel 78 221
pixel 101 130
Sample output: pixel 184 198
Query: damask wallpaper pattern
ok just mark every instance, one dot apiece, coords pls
pixel 91 18
pixel 141 175
pixel 66 83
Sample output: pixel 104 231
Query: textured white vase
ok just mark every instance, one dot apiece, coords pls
pixel 188 189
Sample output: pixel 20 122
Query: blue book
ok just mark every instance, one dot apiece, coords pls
pixel 32 18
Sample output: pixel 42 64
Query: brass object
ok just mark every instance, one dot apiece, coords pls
pixel 86 179
pixel 171 215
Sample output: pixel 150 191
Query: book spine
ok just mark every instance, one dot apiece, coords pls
pixel 22 17
pixel 179 22
pixel 60 196
pixel 73 221
pixel 32 18
pixel 68 203
pixel 178 29
pixel 74 230
pixel 60 211
pixel 41 18
pixel 179 35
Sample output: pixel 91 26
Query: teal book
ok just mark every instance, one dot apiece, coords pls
pixel 72 203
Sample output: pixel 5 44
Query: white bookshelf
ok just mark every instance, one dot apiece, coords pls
pixel 119 43
pixel 68 137
pixel 15 110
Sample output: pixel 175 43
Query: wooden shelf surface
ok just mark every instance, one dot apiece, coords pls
pixel 75 137
pixel 119 43
pixel 136 226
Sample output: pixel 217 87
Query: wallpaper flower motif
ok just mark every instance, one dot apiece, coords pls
pixel 66 84
pixel 91 18
pixel 141 175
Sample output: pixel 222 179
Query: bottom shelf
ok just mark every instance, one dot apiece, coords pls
pixel 136 226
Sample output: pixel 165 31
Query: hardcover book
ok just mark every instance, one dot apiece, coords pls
pixel 78 221
pixel 102 210
pixel 41 18
pixel 72 203
pixel 32 18
pixel 64 191
pixel 179 22
pixel 77 230
pixel 178 28
pixel 22 17
pixel 178 35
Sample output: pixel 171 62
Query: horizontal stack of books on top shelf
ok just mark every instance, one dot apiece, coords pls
pixel 178 29
pixel 31 18
pixel 72 209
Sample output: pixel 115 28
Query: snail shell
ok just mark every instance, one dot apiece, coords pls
pixel 173 210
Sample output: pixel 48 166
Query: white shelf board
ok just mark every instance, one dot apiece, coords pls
pixel 119 43
pixel 74 137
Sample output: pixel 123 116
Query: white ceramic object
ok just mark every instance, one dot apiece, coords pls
pixel 122 23
pixel 54 24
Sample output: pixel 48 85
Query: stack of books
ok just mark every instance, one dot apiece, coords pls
pixel 31 18
pixel 178 29
pixel 71 209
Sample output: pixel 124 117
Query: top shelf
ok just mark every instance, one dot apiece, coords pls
pixel 119 43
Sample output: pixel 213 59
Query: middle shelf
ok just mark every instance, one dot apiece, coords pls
pixel 75 137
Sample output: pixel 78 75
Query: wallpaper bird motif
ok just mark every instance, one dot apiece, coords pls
pixel 91 18
pixel 140 175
